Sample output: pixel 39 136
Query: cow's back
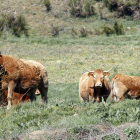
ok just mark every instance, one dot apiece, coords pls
pixel 31 73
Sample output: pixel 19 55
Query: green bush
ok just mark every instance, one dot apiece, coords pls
pixel 89 9
pixel 83 32
pixel 2 25
pixel 112 5
pixel 54 30
pixel 118 28
pixel 123 8
pixel 10 20
pixel 108 30
pixel 48 5
pixel 81 8
pixel 20 26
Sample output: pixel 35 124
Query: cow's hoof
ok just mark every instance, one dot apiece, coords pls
pixel 9 106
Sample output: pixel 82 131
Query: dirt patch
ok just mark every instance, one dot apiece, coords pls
pixel 99 131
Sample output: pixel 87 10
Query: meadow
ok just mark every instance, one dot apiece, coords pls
pixel 65 58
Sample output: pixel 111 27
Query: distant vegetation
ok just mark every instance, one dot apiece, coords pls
pixel 81 8
pixel 48 5
pixel 17 24
pixel 124 8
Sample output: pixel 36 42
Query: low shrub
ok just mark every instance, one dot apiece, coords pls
pixel 108 30
pixel 2 25
pixel 124 8
pixel 54 30
pixel 18 24
pixel 117 29
pixel 81 8
pixel 48 5
pixel 74 32
pixel 83 32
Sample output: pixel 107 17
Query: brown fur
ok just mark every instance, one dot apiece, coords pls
pixel 88 89
pixel 124 84
pixel 17 98
pixel 24 76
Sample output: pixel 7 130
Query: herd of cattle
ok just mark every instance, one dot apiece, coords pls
pixel 21 80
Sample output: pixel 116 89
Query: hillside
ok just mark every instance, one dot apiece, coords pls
pixel 65 57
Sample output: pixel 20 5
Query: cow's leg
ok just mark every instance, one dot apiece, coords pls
pixel 32 96
pixel 1 97
pixel 111 95
pixel 43 92
pixel 98 99
pixel 11 88
pixel 81 99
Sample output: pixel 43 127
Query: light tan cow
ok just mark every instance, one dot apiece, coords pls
pixel 94 85
pixel 23 76
pixel 122 85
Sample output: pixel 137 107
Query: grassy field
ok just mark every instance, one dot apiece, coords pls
pixel 65 58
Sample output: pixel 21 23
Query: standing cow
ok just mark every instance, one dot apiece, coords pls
pixel 23 76
pixel 94 85
pixel 122 85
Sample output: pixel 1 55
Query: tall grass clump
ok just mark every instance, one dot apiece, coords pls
pixel 2 24
pixel 124 8
pixel 108 30
pixel 117 29
pixel 20 26
pixel 81 8
pixel 54 30
pixel 48 5
pixel 83 32
pixel 17 25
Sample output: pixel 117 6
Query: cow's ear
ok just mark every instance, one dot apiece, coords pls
pixel 106 74
pixel 90 74
pixel 0 54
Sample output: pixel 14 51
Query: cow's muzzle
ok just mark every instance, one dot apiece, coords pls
pixel 98 85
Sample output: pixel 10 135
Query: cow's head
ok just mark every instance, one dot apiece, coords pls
pixel 98 76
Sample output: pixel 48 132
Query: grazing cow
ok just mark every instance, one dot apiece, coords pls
pixel 122 85
pixel 94 85
pixel 23 76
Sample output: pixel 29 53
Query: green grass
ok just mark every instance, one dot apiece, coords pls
pixel 65 112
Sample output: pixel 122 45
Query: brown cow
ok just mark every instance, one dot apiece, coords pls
pixel 94 85
pixel 17 98
pixel 122 85
pixel 23 76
